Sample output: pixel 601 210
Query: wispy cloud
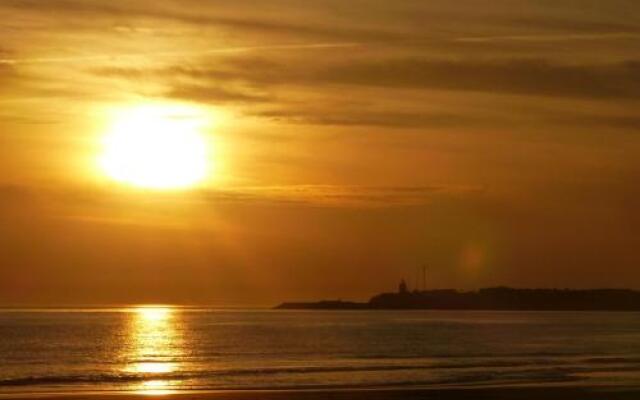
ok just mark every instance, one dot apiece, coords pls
pixel 390 92
pixel 123 57
pixel 585 25
pixel 524 76
pixel 564 37
pixel 513 76
pixel 340 195
pixel 371 117
pixel 303 195
pixel 207 17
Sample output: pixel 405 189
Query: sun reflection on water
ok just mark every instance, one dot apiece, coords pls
pixel 153 313
pixel 155 348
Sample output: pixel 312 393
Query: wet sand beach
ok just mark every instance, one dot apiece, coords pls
pixel 493 393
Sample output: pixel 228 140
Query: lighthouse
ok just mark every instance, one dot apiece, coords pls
pixel 402 288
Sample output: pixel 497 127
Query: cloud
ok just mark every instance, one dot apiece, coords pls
pixel 205 17
pixel 629 122
pixel 536 77
pixel 340 195
pixel 77 202
pixel 559 24
pixel 138 56
pixel 562 37
pixel 369 117
pixel 550 28
pixel 515 76
pixel 393 92
pixel 208 94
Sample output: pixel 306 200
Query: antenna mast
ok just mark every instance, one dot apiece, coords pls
pixel 424 277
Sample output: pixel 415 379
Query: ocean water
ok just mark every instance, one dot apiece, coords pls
pixel 162 349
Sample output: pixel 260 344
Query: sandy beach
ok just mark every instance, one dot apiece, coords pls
pixel 504 393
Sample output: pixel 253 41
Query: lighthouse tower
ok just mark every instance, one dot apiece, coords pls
pixel 402 288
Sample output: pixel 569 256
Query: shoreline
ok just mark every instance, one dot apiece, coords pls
pixel 532 392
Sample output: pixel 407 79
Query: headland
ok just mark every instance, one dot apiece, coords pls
pixel 498 298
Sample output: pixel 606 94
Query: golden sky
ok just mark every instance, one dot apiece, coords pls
pixel 344 144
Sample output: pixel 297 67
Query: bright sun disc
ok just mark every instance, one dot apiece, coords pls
pixel 157 146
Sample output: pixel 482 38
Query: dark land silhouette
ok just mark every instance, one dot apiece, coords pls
pixel 498 298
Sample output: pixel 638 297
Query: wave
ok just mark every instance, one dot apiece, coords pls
pixel 455 372
pixel 140 377
pixel 77 379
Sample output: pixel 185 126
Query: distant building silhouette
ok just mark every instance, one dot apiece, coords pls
pixel 402 288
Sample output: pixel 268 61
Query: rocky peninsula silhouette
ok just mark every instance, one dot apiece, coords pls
pixel 497 298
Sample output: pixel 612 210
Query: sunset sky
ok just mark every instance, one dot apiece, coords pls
pixel 335 146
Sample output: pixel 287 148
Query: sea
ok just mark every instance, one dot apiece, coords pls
pixel 164 349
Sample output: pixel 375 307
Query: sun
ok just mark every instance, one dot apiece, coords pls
pixel 157 146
